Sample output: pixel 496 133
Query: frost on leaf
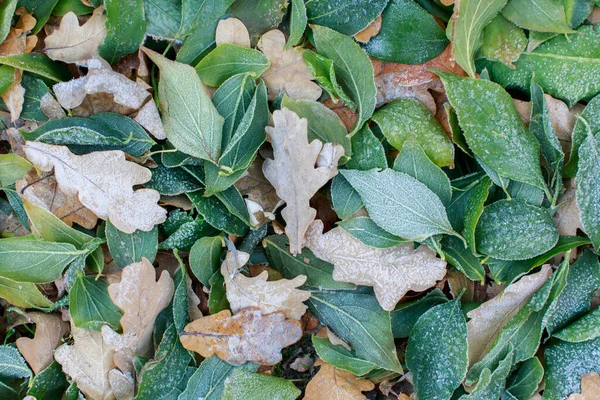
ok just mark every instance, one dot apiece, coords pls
pixel 104 181
pixel 331 383
pixel 288 72
pixel 487 320
pixel 72 43
pixel 246 336
pixel 14 96
pixel 232 30
pixel 293 174
pixel 255 187
pixel 567 215
pixel 392 272
pixel 371 30
pixel 590 388
pixel 275 296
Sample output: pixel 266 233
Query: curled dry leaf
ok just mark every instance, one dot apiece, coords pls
pixel 14 96
pixel 332 383
pixel 103 180
pixel 49 329
pixel 258 216
pixel 288 72
pixel 232 30
pixel 373 29
pixel 72 43
pixel 293 174
pixel 590 388
pixel 487 320
pixel 388 91
pixel 392 272
pixel 567 215
pixel 255 187
pixel 51 107
pixel 17 41
pixel 275 296
pixel 246 336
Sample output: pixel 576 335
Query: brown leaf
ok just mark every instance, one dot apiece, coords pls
pixel 49 329
pixel 14 96
pixel 331 383
pixel 567 215
pixel 232 30
pixel 373 29
pixel 255 187
pixel 347 116
pixel 590 388
pixel 51 107
pixel 246 336
pixel 293 174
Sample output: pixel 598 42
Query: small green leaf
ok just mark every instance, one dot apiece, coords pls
pixel 12 168
pixel 243 384
pixel 298 21
pixel 130 248
pixel 228 60
pixel 217 299
pixel 35 90
pixel 217 215
pixel 524 382
pixel 345 201
pixel 323 71
pixel 180 304
pixel 491 384
pixel 39 64
pixel 538 15
pixel 367 151
pixel 22 294
pixel 585 328
pixel 184 237
pixel 588 188
pixel 125 29
pixel 503 41
pixel 340 357
pixel 463 259
pixel 406 315
pixel 368 232
pixel 462 189
pixel 205 258
pixel 474 209
pixel 589 117
pixel 90 305
pixel 343 16
pixel 12 364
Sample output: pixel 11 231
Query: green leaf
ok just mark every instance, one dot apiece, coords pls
pixel 228 60
pixel 171 181
pixel 503 143
pixel 472 18
pixel 585 328
pixel 474 209
pixel 12 365
pixel 190 119
pixel 217 299
pixel 76 6
pixel 463 259
pixel 406 315
pixel 125 29
pixel 436 354
pixel 524 382
pixel 259 17
pixel 345 201
pixel 526 192
pixel 368 232
pixel 352 67
pixel 100 132
pixel 359 321
pixel 184 237
pixel 408 35
pixel 12 168
pixel 7 76
pixel 323 71
pixel 588 188
pixel 180 304
pixel 197 14
pixel 538 15
pixel 130 248
pixel 462 189
pixel 589 117
pixel 35 90
pixel 400 204
pixel 208 381
pixel 217 215
pixel 163 18
pixel 577 11
pixel 90 305
pixel 39 64
pixel 205 258
pixel 503 41
pixel 22 294
pixel 566 363
pixel 367 151
pixel 340 357
pixel 491 384
pixel 242 384
pixel 198 44
pixel 41 10
pixel 49 383
pixel 413 161
pixel 298 21
pixel 406 119
pixel 347 17
pixel 7 10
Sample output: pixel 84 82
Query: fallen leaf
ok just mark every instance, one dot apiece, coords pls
pixel 122 384
pixel 255 187
pixel 392 272
pixel 590 388
pixel 17 41
pixel 104 181
pixel 149 118
pixel 51 107
pixel 331 383
pixel 347 116
pixel 193 300
pixel 288 72
pixel 246 336
pixel 72 43
pixel 371 30
pixel 232 30
pixel 487 320
pixel 14 96
pixel 567 215
pixel 49 330
pixel 388 91
pixel 293 174
pixel 275 296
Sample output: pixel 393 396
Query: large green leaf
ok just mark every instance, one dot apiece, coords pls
pixel 243 384
pixel 205 258
pixel 228 60
pixel 90 306
pixel 125 29
pixel 538 15
pixel 12 364
pixel 130 248
pixel 347 17
pixel 588 188
pixel 49 384
pixel 22 294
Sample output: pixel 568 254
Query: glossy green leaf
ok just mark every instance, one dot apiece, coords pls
pixel 503 41
pixel 590 117
pixel 217 299
pixel 243 384
pixel 298 21
pixel 524 382
pixel 7 77
pixel 205 258
pixel 75 6
pixel 474 209
pixel 12 168
pixel 538 15
pixel 368 232
pixel 49 383
pixel 12 364
pixel 38 64
pixel 463 259
pixel 406 315
pixel 130 248
pixel 367 151
pixel 347 17
pixel 125 29
pixel 345 201
pixel 340 357
pixel 588 188
pixel 90 305
pixel 228 60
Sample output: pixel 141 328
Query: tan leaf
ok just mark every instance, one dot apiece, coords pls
pixel 288 72
pixel 51 107
pixel 388 91
pixel 49 329
pixel 487 320
pixel 258 216
pixel 255 187
pixel 121 384
pixel 232 30
pixel 88 362
pixel 293 174
pixel 567 215
pixel 373 29
pixel 347 116
pixel 331 383
pixel 246 336
pixel 72 43
pixel 590 388
pixel 392 272
pixel 275 296
pixel 14 96
pixel 104 181
pixel 149 118
pixel 15 42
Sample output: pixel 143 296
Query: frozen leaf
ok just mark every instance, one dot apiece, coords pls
pixel 232 30
pixel 588 193
pixel 288 72
pixel 275 296
pixel 487 320
pixel 14 96
pixel 49 330
pixel 392 272
pixel 72 43
pixel 293 172
pixel 331 383
pixel 149 118
pixel 567 215
pixel 104 181
pixel 246 336
pixel 51 107
pixel 590 388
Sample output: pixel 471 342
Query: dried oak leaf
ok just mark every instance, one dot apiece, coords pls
pixel 49 329
pixel 17 41
pixel 288 72
pixel 14 96
pixel 392 272
pixel 246 336
pixel 371 30
pixel 232 30
pixel 103 180
pixel 275 296
pixel 487 320
pixel 293 174
pixel 255 187
pixel 331 383
pixel 590 388
pixel 72 43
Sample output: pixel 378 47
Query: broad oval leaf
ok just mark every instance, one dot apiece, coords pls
pixel 228 60
pixel 588 188
pixel 538 15
pixel 347 17
pixel 126 29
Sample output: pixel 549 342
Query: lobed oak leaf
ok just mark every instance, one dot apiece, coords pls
pixel 246 336
pixel 17 41
pixel 232 30
pixel 332 383
pixel 275 296
pixel 288 72
pixel 392 271
pixel 255 187
pixel 590 388
pixel 293 174
pixel 103 180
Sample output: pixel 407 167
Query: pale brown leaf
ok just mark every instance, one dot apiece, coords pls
pixel 51 107
pixel 567 215
pixel 590 388
pixel 14 96
pixel 255 187
pixel 232 30
pixel 373 29
pixel 331 383
pixel 49 329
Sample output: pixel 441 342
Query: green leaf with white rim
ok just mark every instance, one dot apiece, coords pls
pixel 343 16
pixel 22 294
pixel 538 15
pixel 197 14
pixel 462 258
pixel 340 357
pixel 352 68
pixel 367 151
pixel 125 29
pixel 590 117
pixel 7 10
pixel 243 384
pixel 400 204
pixel 38 64
pixel 406 314
pixel 368 232
pixel 584 329
pixel 503 41
pixel 90 305
pixel 323 71
pixel 588 187
pixel 298 21
pixel 190 119
pixel 491 384
pixel 228 60
pixel 503 143
pixel 524 382
pixel 12 168
pixel 436 354
pixel 163 18
pixel 474 209
pixel 130 248
pixel 12 364
pixel 205 258
pixel 404 119
pixel 408 35
pixel 345 201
